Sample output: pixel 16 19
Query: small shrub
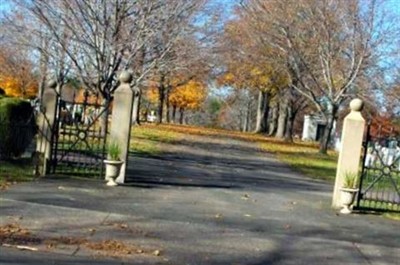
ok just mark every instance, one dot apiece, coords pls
pixel 17 126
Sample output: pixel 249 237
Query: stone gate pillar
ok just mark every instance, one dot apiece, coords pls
pixel 45 122
pixel 351 147
pixel 121 119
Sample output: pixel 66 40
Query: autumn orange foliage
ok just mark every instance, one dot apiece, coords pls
pixel 16 75
pixel 186 96
pixel 92 98
pixel 250 70
pixel 383 126
pixel 15 87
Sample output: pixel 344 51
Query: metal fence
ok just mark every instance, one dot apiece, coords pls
pixel 77 141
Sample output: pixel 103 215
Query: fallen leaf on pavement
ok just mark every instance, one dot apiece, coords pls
pixel 14 234
pixel 122 226
pixel 118 248
pixel 16 218
pixel 245 197
pixel 5 185
pixel 218 215
pixel 63 240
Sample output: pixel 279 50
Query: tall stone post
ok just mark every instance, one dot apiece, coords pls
pixel 45 121
pixel 350 151
pixel 121 119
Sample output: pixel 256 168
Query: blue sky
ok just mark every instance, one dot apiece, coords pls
pixel 4 5
pixel 394 5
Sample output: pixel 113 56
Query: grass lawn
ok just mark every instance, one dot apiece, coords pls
pixel 393 216
pixel 145 139
pixel 305 158
pixel 15 171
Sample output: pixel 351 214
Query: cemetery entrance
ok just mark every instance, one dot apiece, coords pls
pixel 78 145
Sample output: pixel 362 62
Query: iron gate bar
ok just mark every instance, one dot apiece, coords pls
pixel 367 139
pixel 55 136
pixel 79 141
pixel 373 183
pixel 379 186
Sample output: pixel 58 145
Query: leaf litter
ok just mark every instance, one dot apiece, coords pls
pixel 15 236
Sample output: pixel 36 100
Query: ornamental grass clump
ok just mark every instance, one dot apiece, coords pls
pixel 350 180
pixel 114 151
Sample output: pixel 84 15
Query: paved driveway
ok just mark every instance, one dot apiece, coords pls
pixel 203 201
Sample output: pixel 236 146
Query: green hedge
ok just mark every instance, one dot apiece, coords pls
pixel 17 126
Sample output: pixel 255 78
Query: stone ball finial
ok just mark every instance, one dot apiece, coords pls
pixel 125 77
pixel 356 104
pixel 52 83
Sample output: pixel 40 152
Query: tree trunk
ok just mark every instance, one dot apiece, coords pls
pixel 249 114
pixel 161 99
pixel 280 132
pixel 274 120
pixel 245 123
pixel 181 111
pixel 42 82
pixel 291 115
pixel 173 113
pixel 266 113
pixel 247 118
pixel 136 106
pixel 104 110
pixel 43 68
pixel 260 104
pixel 167 107
pixel 262 112
pixel 324 143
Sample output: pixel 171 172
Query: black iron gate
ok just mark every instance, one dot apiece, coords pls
pixel 79 136
pixel 380 177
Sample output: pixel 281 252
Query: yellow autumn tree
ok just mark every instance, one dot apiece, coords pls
pixel 152 93
pixel 248 67
pixel 16 74
pixel 15 87
pixel 188 96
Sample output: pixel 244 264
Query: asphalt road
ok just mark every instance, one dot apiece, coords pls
pixel 203 201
